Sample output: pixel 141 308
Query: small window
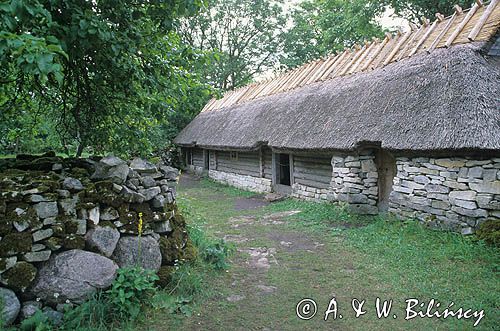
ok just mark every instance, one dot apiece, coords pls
pixel 233 156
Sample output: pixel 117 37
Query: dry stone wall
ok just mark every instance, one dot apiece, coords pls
pixel 250 183
pixel 66 225
pixel 454 193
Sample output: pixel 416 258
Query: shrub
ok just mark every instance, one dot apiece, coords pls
pixel 212 251
pixel 489 231
pixel 131 288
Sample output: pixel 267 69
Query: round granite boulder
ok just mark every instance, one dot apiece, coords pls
pixel 11 306
pixel 73 275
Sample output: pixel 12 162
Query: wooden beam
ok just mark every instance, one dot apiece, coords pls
pixel 424 38
pixel 334 65
pixel 381 46
pixel 462 24
pixel 355 56
pixel 458 11
pixel 479 25
pixel 396 49
pixel 410 41
pixel 363 56
pixel 261 163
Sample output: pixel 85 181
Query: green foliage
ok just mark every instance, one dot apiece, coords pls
pixel 95 314
pixel 489 231
pixel 99 74
pixel 242 37
pixel 131 288
pixel 326 26
pixel 38 322
pixel 214 252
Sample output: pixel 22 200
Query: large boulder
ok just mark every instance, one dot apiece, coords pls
pixel 103 239
pixel 10 306
pixel 73 275
pixel 112 168
pixel 127 253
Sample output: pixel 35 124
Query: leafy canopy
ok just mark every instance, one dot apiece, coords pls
pixel 320 27
pixel 105 74
pixel 244 36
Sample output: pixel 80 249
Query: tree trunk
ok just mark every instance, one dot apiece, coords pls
pixel 79 150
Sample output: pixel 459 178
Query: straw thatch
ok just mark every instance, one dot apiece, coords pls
pixel 478 23
pixel 446 100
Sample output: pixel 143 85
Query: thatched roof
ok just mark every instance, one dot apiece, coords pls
pixel 478 23
pixel 445 100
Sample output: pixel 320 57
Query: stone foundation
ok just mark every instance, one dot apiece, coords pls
pixel 309 193
pixel 452 193
pixel 197 170
pixel 254 184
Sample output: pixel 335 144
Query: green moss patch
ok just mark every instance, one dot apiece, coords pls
pixel 20 276
pixel 15 243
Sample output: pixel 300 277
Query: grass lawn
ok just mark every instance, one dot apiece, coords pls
pixel 321 253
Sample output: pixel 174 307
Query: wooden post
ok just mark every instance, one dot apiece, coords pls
pixel 292 181
pixel 436 41
pixel 274 170
pixel 462 24
pixel 475 31
pixel 397 48
pixel 261 163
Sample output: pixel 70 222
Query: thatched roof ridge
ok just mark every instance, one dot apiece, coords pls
pixel 478 23
pixel 446 100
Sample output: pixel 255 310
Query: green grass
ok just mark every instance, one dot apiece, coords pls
pixel 336 254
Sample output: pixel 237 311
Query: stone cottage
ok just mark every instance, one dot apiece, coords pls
pixel 409 124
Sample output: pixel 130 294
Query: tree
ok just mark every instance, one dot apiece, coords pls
pixel 414 10
pixel 242 35
pixel 325 26
pixel 108 73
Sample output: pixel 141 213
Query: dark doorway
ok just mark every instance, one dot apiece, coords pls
pixel 284 169
pixel 386 167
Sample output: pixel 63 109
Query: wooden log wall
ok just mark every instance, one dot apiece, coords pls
pixel 267 157
pixel 313 171
pixel 198 157
pixel 247 163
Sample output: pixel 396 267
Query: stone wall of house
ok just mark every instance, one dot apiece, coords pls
pixel 196 169
pixel 250 183
pixel 354 181
pixel 451 193
pixel 310 193
pixel 66 225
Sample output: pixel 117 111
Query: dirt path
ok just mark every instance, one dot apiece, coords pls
pixel 277 264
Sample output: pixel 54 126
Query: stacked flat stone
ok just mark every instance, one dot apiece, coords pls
pixel 454 193
pixel 250 183
pixel 66 225
pixel 354 181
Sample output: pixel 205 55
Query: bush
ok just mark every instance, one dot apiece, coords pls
pixel 489 231
pixel 212 251
pixel 131 288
